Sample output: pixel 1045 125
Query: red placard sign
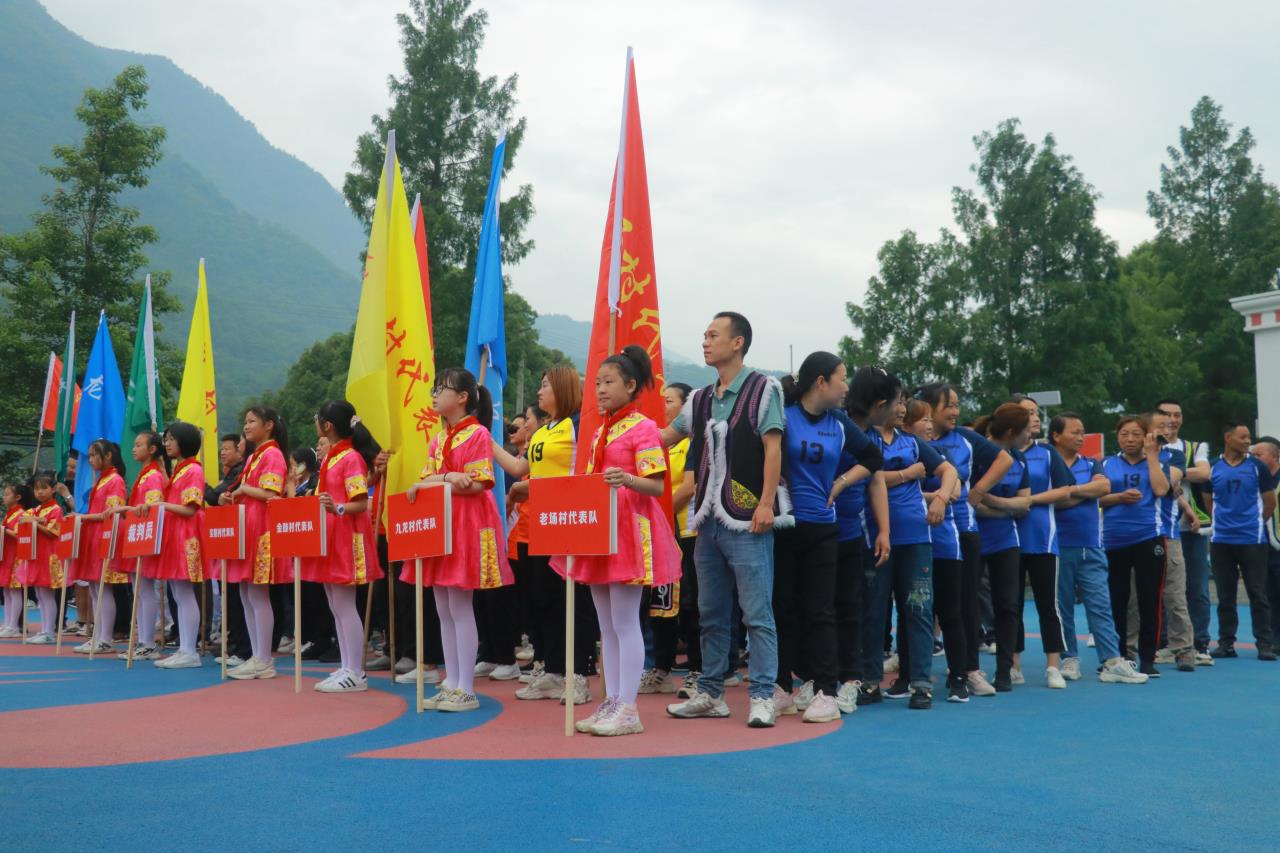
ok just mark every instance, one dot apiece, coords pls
pixel 108 540
pixel 68 544
pixel 298 527
pixel 1093 445
pixel 572 515
pixel 222 532
pixel 140 535
pixel 27 539
pixel 423 528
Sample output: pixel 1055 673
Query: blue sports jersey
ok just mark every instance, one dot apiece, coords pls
pixel 1078 526
pixel 907 512
pixel 811 457
pixel 1169 510
pixel 1237 501
pixel 851 504
pixel 966 450
pixel 945 537
pixel 1128 524
pixel 1038 529
pixel 1000 534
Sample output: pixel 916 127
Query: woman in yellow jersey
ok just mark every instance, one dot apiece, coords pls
pixel 667 630
pixel 550 453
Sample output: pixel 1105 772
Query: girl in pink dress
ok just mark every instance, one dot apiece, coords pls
pixel 463 457
pixel 45 572
pixel 343 489
pixel 18 499
pixel 180 562
pixel 148 488
pixel 627 449
pixel 261 480
pixel 107 494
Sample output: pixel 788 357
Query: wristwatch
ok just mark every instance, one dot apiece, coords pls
pixel 340 509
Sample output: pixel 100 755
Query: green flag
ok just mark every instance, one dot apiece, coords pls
pixel 142 400
pixel 66 404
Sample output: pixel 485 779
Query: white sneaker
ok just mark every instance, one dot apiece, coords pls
pixel 286 646
pixel 1204 659
pixel 1071 669
pixel 987 648
pixel 1016 677
pixel 547 686
pixel 232 660
pixel 524 651
pixel 380 663
pixel 690 686
pixel 847 696
pixel 891 663
pixel 657 681
pixel 1120 671
pixel 344 681
pixel 784 704
pixel 581 693
pixel 484 668
pixel 457 701
pixel 621 720
pixel 8 632
pixel 84 648
pixel 539 669
pixel 432 702
pixel 429 676
pixel 804 696
pixel 404 665
pixel 762 714
pixel 246 671
pixel 1053 678
pixel 1089 641
pixel 978 685
pixel 506 672
pixel 822 709
pixel 41 639
pixel 141 653
pixel 732 679
pixel 701 705
pixel 1165 656
pixel 602 710
pixel 179 660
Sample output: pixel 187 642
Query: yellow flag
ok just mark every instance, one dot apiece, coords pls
pixel 198 399
pixel 392 362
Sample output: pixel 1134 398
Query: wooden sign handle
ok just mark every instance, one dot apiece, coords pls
pixel 569 679
pixel 417 612
pixel 222 584
pixel 134 628
pixel 297 625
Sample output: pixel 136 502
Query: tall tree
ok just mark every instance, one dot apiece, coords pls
pixel 86 249
pixel 447 118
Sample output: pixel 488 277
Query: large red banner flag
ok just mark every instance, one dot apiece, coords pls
pixel 626 305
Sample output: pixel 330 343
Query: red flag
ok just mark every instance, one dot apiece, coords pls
pixel 420 243
pixel 627 289
pixel 52 385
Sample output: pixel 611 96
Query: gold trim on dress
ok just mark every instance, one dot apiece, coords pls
pixel 490 576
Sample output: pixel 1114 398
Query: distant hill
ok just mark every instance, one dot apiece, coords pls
pixel 281 247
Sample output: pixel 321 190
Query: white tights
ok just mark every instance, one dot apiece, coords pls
pixel 13 607
pixel 48 610
pixel 618 609
pixel 104 613
pixel 258 618
pixel 458 636
pixel 347 625
pixel 184 593
pixel 148 610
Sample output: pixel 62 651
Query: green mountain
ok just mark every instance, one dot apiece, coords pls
pixel 281 247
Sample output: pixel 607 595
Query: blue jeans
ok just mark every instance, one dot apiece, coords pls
pixel 1085 569
pixel 1195 552
pixel 909 574
pixel 726 559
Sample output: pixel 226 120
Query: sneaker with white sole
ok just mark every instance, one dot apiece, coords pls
pixel 142 653
pixel 538 670
pixel 784 704
pixel 232 660
pixel 458 701
pixel 1120 671
pixel 891 663
pixel 1165 656
pixel 762 714
pixel 8 632
pixel 41 639
pixel 505 672
pixel 1016 677
pixel 286 646
pixel 847 696
pixel 1053 678
pixel 690 685
pixel 524 652
pixel 179 660
pixel 429 676
pixel 484 668
pixel 1071 669
pixel 83 648
pixel 622 719
pixel 581 692
pixel 405 664
pixel 546 686
pixel 733 679
pixel 822 709
pixel 657 681
pixel 987 648
pixel 246 671
pixel 977 684
pixel 602 710
pixel 957 689
pixel 701 705
pixel 804 695
pixel 380 663
pixel 344 681
pixel 432 702
pixel 1204 659
pixel 1090 642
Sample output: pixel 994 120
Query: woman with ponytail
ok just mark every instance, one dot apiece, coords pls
pixel 627 449
pixel 462 456
pixel 107 494
pixel 343 488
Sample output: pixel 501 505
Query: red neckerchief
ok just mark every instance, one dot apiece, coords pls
pixel 182 466
pixel 49 504
pixel 597 454
pixel 142 475
pixel 451 435
pixel 102 476
pixel 254 458
pixel 334 450
pixel 13 513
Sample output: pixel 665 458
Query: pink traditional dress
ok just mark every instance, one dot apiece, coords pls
pixel 479 558
pixel 353 552
pixel 264 470
pixel 647 551
pixel 9 579
pixel 46 569
pixel 148 489
pixel 180 558
pixel 107 493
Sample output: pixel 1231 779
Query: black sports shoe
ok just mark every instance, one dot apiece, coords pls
pixel 898 690
pixel 1149 670
pixel 1266 653
pixel 1224 650
pixel 957 689
pixel 1002 682
pixel 921 699
pixel 869 694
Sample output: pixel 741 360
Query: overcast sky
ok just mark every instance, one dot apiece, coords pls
pixel 785 141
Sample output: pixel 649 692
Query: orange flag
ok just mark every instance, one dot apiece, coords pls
pixel 626 305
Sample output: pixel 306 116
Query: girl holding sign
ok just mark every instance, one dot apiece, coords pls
pixel 18 500
pixel 180 562
pixel 463 457
pixel 627 449
pixel 261 479
pixel 149 488
pixel 45 572
pixel 108 492
pixel 343 489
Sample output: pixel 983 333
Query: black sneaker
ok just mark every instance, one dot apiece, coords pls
pixel 314 652
pixel 938 648
pixel 1149 670
pixel 898 690
pixel 1224 650
pixel 1266 653
pixel 957 689
pixel 330 655
pixel 869 694
pixel 1002 683
pixel 921 699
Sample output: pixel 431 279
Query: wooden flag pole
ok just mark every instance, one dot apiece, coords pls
pixel 222 631
pixel 417 612
pixel 369 586
pixel 35 463
pixel 202 646
pixel 62 611
pixel 569 676
pixel 297 625
pixel 97 610
pixel 613 346
pixel 391 620
pixel 134 628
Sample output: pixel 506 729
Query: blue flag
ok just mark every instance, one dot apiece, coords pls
pixel 101 409
pixel 486 331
